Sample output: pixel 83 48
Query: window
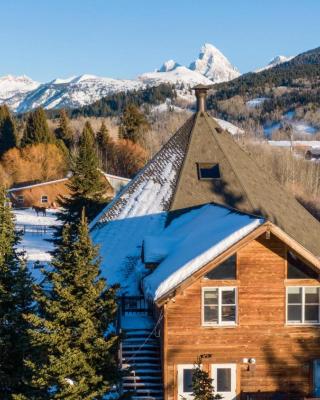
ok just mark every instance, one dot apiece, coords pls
pixel 185 373
pixel 219 306
pixel 20 198
pixel 225 270
pixel 303 305
pixel 225 380
pixel 44 199
pixel 297 269
pixel 208 171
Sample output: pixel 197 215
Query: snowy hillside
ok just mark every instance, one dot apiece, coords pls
pixel 275 61
pixel 214 65
pixel 13 89
pixel 177 76
pixel 74 92
pixel 23 94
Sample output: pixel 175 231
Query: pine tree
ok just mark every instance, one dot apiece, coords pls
pixel 202 387
pixel 133 124
pixel 8 134
pixel 103 141
pixel 15 300
pixel 37 129
pixel 87 184
pixel 78 356
pixel 64 131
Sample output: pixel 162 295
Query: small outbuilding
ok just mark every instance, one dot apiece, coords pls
pixel 47 194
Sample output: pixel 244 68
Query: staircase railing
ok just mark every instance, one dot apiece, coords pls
pixel 134 305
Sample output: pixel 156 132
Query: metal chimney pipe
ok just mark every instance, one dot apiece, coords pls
pixel 201 95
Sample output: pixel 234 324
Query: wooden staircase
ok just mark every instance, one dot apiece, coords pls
pixel 140 357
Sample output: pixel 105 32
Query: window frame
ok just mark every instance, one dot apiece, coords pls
pixel 41 198
pixel 207 165
pixel 180 369
pixel 206 278
pixel 303 304
pixel 20 198
pixel 220 323
pixel 214 375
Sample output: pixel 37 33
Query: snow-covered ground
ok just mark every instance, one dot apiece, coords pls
pixel 287 143
pixel 257 102
pixel 298 126
pixel 37 233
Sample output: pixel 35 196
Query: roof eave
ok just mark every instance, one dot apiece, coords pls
pixel 265 227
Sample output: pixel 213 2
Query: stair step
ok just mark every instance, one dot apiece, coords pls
pixel 150 365
pixel 146 391
pixel 146 397
pixel 137 378
pixel 147 345
pixel 136 350
pixel 151 373
pixel 134 339
pixel 137 334
pixel 142 384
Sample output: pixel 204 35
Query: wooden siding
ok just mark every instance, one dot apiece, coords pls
pixel 283 353
pixel 54 190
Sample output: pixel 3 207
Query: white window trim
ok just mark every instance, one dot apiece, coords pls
pixel 308 323
pixel 181 393
pixel 220 323
pixel 233 368
pixel 43 197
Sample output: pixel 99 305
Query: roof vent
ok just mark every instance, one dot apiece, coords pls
pixel 201 95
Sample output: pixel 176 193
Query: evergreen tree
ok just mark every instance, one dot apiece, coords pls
pixel 78 356
pixel 15 300
pixel 87 184
pixel 103 140
pixel 8 134
pixel 64 131
pixel 133 124
pixel 202 387
pixel 37 129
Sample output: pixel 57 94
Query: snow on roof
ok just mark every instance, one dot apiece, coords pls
pixel 139 210
pixel 191 241
pixel 16 189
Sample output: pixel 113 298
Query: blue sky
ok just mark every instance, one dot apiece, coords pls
pixel 123 38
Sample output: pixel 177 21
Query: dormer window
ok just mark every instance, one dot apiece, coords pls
pixel 208 171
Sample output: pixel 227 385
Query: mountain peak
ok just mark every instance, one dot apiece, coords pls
pixel 275 61
pixel 169 65
pixel 214 65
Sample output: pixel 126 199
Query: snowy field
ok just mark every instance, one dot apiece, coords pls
pixel 37 231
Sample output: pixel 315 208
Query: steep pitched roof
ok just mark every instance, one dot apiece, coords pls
pixel 243 184
pixel 170 182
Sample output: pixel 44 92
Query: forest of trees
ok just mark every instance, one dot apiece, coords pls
pixel 292 86
pixel 32 150
pixel 115 104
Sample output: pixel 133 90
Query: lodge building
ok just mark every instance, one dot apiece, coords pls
pixel 215 260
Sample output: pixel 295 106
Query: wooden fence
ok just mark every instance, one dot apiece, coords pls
pixel 35 229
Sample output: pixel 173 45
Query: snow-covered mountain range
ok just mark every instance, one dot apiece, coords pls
pixel 23 94
pixel 275 61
